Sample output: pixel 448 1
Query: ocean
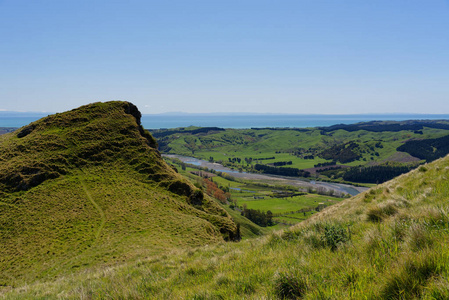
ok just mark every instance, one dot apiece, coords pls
pixel 260 121
pixel 8 119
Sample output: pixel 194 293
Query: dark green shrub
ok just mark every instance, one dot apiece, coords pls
pixel 334 235
pixel 290 286
pixel 422 169
pixel 378 213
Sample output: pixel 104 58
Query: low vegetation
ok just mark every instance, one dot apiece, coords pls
pixel 396 147
pixel 390 242
pixel 340 253
pixel 87 188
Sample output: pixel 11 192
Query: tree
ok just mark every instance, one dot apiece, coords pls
pixel 269 218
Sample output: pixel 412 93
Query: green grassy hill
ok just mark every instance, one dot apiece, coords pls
pixel 391 242
pixel 88 188
pixel 395 147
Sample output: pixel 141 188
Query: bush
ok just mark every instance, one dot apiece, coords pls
pixel 313 240
pixel 422 169
pixel 378 213
pixel 410 281
pixel 290 286
pixel 334 235
pixel 419 237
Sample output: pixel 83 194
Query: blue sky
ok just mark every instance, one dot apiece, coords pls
pixel 333 57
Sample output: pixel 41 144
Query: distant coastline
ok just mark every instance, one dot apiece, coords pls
pixel 259 121
pixel 237 121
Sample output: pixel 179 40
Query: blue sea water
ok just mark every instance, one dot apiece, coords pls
pixel 18 120
pixel 260 121
pixel 236 121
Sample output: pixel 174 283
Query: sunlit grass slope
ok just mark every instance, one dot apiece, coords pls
pixel 87 188
pixel 391 242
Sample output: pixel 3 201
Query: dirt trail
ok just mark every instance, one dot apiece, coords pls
pixel 97 207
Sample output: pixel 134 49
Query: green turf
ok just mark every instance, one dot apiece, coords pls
pixel 87 187
pixel 390 242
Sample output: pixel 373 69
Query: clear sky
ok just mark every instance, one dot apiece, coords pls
pixel 299 56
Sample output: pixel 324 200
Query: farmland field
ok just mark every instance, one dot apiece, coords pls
pixel 288 206
pixel 395 146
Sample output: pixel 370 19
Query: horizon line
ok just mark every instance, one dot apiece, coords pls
pixel 244 113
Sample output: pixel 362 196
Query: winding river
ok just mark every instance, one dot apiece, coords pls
pixel 338 188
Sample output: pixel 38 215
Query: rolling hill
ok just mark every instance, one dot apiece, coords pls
pixel 391 242
pixel 88 188
pixel 356 144
pixel 384 149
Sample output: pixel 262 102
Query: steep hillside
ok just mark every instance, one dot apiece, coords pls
pixel 88 187
pixel 391 242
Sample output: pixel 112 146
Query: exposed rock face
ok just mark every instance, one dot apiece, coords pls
pixel 134 111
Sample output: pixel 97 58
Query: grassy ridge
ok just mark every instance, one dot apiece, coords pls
pixel 391 242
pixel 87 187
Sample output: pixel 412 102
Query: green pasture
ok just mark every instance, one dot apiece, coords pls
pixel 257 144
pixel 294 218
pixel 243 193
pixel 284 205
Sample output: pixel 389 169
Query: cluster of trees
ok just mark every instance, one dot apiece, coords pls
pixel 429 149
pixel 261 218
pixel 374 174
pixel 328 169
pixel 325 164
pixel 265 158
pixel 303 153
pixel 234 160
pixel 294 172
pixel 248 160
pixel 213 190
pixel 285 194
pixel 344 152
pixel 377 126
pixel 282 163
pixel 159 133
pixel 281 129
pixel 218 173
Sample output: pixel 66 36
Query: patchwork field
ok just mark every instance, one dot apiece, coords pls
pixel 325 152
pixel 286 203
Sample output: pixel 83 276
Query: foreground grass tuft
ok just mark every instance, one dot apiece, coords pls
pixel 290 286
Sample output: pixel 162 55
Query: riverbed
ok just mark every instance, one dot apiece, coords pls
pixel 338 188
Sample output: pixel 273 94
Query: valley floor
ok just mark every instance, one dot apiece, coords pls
pixel 337 187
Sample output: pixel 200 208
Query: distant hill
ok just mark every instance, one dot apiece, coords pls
pixel 4 130
pixel 383 149
pixel 88 188
pixel 395 126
